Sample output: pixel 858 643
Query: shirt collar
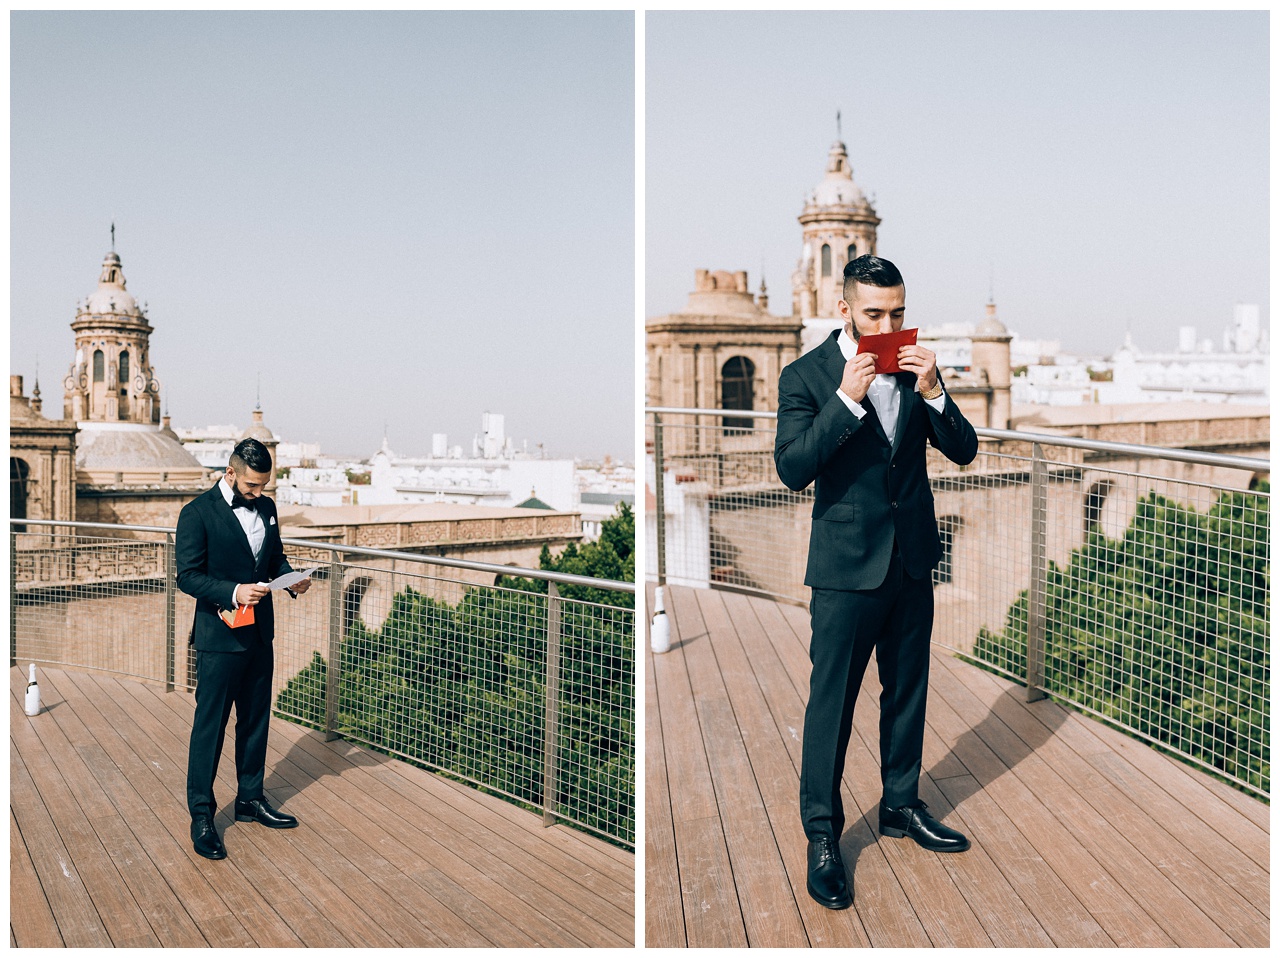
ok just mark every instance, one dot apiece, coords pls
pixel 848 348
pixel 225 488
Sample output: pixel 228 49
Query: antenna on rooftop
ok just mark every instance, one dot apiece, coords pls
pixel 113 236
pixel 991 280
pixel 838 134
pixel 259 394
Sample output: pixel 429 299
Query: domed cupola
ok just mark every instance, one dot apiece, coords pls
pixel 111 298
pixel 111 379
pixel 837 187
pixel 839 224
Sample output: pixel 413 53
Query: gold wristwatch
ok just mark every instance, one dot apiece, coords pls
pixel 933 393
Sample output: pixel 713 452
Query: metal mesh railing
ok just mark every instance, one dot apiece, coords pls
pixel 92 599
pixel 519 681
pixel 1132 582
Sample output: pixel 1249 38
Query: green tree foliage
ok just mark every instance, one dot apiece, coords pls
pixel 1165 630
pixel 462 688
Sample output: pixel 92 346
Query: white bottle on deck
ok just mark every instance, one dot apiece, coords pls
pixel 660 628
pixel 33 693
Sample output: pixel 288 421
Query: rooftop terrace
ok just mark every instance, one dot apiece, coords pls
pixel 1082 836
pixel 387 854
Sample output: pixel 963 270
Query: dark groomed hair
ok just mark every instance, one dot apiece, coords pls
pixel 250 454
pixel 870 271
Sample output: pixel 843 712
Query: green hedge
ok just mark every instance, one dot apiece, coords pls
pixel 1165 630
pixel 461 687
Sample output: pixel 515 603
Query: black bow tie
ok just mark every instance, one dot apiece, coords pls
pixel 240 502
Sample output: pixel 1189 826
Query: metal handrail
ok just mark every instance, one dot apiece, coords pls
pixel 1131 449
pixel 739 413
pixel 1044 438
pixel 88 525
pixel 563 578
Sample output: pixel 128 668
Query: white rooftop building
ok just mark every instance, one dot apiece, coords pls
pixel 494 475
pixel 1195 371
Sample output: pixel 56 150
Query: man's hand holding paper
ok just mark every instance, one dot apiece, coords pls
pixel 296 581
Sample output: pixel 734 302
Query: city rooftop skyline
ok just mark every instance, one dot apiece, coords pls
pixel 397 220
pixel 1102 172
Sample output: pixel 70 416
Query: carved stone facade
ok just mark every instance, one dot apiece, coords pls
pixel 129 468
pixel 724 351
pixel 111 379
pixel 506 535
pixel 42 460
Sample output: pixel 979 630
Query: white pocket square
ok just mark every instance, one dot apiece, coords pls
pixel 273 520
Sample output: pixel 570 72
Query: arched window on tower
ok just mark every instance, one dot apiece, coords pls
pixel 124 370
pixel 1093 503
pixel 99 367
pixel 852 252
pixel 826 260
pixel 737 391
pixel 19 473
pixel 949 528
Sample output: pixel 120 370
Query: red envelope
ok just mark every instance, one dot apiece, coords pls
pixel 238 617
pixel 885 346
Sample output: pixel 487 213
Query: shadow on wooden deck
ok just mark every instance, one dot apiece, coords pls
pixel 1081 835
pixel 386 854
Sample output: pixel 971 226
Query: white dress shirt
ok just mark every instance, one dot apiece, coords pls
pixel 250 520
pixel 883 393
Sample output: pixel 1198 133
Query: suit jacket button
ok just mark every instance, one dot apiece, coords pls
pixel 894 504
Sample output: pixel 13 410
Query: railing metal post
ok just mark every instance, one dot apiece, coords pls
pixel 170 611
pixel 658 490
pixel 550 734
pixel 1036 592
pixel 333 672
pixel 13 597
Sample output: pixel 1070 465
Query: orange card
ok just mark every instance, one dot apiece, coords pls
pixel 885 346
pixel 243 615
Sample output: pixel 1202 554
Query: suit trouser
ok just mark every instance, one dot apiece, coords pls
pixel 895 619
pixel 224 679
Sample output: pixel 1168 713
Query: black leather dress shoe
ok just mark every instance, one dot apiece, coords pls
pixel 828 884
pixel 205 839
pixel 912 821
pixel 257 810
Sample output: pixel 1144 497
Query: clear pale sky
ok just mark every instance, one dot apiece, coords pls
pixel 1110 169
pixel 399 220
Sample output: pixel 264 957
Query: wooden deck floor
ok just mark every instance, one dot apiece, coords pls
pixel 386 855
pixel 1081 836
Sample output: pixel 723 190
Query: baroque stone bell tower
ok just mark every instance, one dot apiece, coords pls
pixel 839 224
pixel 111 379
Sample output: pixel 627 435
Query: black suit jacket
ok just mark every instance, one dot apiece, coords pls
pixel 866 492
pixel 214 556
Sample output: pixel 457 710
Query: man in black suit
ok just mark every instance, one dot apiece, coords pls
pixel 859 437
pixel 228 541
